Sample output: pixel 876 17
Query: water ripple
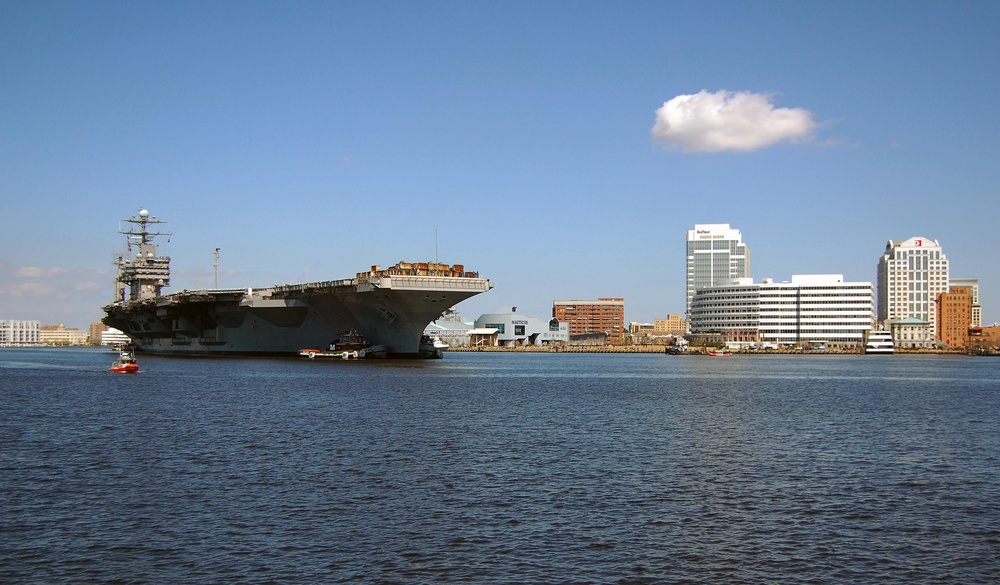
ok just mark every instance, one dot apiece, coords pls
pixel 500 468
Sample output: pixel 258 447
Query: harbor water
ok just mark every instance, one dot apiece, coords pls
pixel 500 468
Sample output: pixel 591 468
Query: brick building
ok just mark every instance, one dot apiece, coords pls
pixel 954 316
pixel 605 315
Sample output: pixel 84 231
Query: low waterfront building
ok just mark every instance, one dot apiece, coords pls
pixel 483 337
pixel 515 329
pixel 605 316
pixel 985 338
pixel 17 333
pixel 650 334
pixel 450 328
pixel 911 333
pixel 62 335
pixel 640 328
pixel 454 333
pixel 817 310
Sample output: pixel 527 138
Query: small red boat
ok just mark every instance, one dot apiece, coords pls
pixel 126 363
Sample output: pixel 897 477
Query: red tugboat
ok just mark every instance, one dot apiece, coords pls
pixel 126 363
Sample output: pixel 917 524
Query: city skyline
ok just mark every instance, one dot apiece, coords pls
pixel 562 154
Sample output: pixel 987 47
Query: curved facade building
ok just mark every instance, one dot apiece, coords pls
pixel 818 309
pixel 716 255
pixel 514 328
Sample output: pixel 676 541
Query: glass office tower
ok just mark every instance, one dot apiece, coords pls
pixel 716 255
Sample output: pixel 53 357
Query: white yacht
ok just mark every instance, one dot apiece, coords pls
pixel 879 342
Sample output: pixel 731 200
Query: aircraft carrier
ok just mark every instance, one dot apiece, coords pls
pixel 388 307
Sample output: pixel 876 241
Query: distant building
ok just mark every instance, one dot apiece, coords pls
pixel 673 325
pixel 954 314
pixel 484 337
pixel 453 332
pixel 589 318
pixel 911 274
pixel 450 328
pixel 15 333
pixel 640 328
pixel 96 330
pixel 815 309
pixel 62 335
pixel 716 255
pixel 985 338
pixel 513 328
pixel 649 334
pixel 911 333
pixel 112 336
pixel 973 285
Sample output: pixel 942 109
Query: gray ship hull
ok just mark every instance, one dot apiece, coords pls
pixel 386 309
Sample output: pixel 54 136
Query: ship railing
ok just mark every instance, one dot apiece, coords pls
pixel 435 282
pixel 314 285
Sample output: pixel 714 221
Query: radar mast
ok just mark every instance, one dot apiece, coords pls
pixel 143 276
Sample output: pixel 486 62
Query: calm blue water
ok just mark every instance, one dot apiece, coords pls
pixel 500 468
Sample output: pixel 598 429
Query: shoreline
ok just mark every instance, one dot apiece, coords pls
pixel 659 349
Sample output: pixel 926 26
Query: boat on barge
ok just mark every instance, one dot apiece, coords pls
pixel 348 346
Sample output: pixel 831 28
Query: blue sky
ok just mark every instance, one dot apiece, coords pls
pixel 562 149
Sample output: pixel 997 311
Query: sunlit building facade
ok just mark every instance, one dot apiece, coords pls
pixel 716 255
pixel 19 333
pixel 62 335
pixel 605 315
pixel 973 285
pixel 954 313
pixel 811 310
pixel 911 274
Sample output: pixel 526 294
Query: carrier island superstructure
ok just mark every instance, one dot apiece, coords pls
pixel 389 307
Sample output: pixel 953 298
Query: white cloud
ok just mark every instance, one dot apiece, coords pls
pixel 31 290
pixel 729 121
pixel 29 272
pixel 86 286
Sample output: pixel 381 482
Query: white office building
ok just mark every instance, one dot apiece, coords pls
pixel 20 333
pixel 811 310
pixel 716 255
pixel 513 328
pixel 112 336
pixel 911 273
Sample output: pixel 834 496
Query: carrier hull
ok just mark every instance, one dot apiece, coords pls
pixel 386 309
